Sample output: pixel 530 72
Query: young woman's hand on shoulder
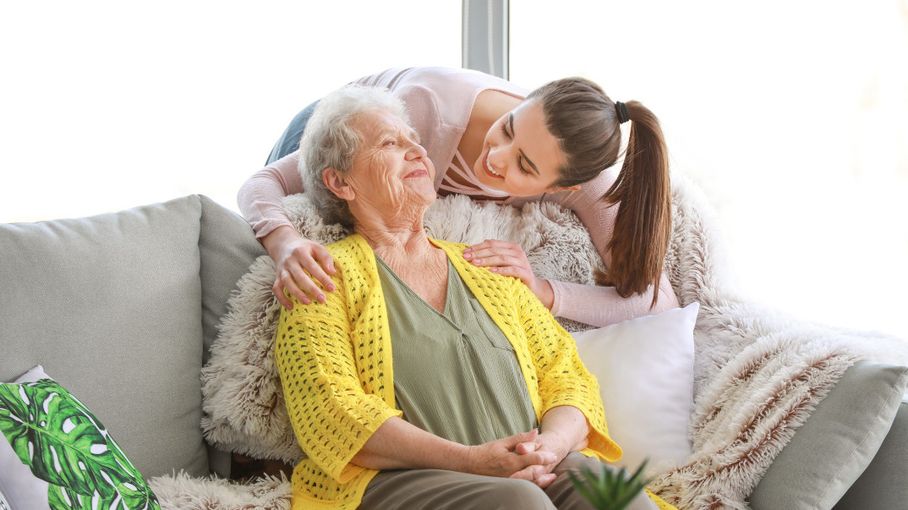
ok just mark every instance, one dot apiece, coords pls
pixel 509 259
pixel 301 267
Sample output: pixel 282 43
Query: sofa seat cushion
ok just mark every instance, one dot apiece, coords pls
pixel 110 305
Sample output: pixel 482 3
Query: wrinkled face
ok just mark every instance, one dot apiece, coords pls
pixel 390 171
pixel 519 155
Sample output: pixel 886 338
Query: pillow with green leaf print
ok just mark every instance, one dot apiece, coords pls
pixel 56 454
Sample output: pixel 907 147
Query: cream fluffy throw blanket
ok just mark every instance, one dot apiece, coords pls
pixel 758 374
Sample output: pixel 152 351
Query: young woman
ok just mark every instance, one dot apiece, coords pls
pixel 492 141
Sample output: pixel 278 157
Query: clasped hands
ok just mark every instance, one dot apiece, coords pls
pixel 529 456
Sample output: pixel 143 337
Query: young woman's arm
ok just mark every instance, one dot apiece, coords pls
pixel 260 196
pixel 600 306
pixel 590 304
pixel 295 258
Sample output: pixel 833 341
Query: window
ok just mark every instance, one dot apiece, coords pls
pixel 108 105
pixel 790 115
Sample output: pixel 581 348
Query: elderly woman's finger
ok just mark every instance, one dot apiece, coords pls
pixel 527 447
pixel 528 473
pixel 545 480
pixel 540 475
pixel 541 457
pixel 512 441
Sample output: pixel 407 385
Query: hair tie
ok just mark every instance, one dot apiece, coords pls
pixel 623 116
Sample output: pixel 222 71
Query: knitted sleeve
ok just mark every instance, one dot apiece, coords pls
pixel 563 379
pixel 331 414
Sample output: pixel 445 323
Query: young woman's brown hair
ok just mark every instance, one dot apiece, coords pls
pixel 586 122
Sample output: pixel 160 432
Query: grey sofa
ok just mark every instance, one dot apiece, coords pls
pixel 121 308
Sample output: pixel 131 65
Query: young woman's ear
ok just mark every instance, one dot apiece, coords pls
pixel 336 182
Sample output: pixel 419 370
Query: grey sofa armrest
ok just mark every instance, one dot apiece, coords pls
pixel 831 450
pixel 883 484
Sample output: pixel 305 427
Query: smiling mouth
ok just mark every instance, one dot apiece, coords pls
pixel 422 172
pixel 488 168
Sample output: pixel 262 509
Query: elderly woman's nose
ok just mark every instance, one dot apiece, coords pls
pixel 416 151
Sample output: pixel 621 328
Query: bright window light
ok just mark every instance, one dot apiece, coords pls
pixel 106 105
pixel 792 116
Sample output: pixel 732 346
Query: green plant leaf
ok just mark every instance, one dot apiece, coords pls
pixel 607 489
pixel 61 498
pixel 64 444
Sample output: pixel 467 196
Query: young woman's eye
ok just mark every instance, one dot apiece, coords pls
pixel 504 129
pixel 522 169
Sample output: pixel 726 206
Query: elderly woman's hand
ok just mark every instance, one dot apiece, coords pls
pixel 499 458
pixel 541 474
pixel 509 259
pixel 297 262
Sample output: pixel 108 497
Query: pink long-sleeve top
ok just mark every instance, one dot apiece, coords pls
pixel 439 102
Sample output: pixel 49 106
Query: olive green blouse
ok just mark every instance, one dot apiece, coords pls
pixel 455 374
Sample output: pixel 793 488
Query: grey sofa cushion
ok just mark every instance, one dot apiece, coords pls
pixel 883 484
pixel 227 246
pixel 110 306
pixel 837 443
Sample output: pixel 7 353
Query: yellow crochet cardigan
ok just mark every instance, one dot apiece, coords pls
pixel 335 366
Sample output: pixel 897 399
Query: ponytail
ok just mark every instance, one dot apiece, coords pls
pixel 643 223
pixel 586 122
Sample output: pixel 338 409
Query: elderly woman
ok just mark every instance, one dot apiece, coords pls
pixel 422 382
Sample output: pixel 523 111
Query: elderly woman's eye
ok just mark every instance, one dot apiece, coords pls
pixel 389 143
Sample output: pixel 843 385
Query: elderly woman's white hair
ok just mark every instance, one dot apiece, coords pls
pixel 329 140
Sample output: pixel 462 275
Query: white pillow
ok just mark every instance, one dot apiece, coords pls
pixel 645 369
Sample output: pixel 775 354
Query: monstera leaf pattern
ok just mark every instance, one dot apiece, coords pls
pixel 64 444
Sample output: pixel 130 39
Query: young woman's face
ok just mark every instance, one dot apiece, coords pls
pixel 519 155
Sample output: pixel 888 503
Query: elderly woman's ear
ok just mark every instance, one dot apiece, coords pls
pixel 336 182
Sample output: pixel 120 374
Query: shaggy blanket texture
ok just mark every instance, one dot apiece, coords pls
pixel 183 492
pixel 758 374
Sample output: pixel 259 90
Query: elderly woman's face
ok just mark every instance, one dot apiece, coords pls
pixel 390 169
